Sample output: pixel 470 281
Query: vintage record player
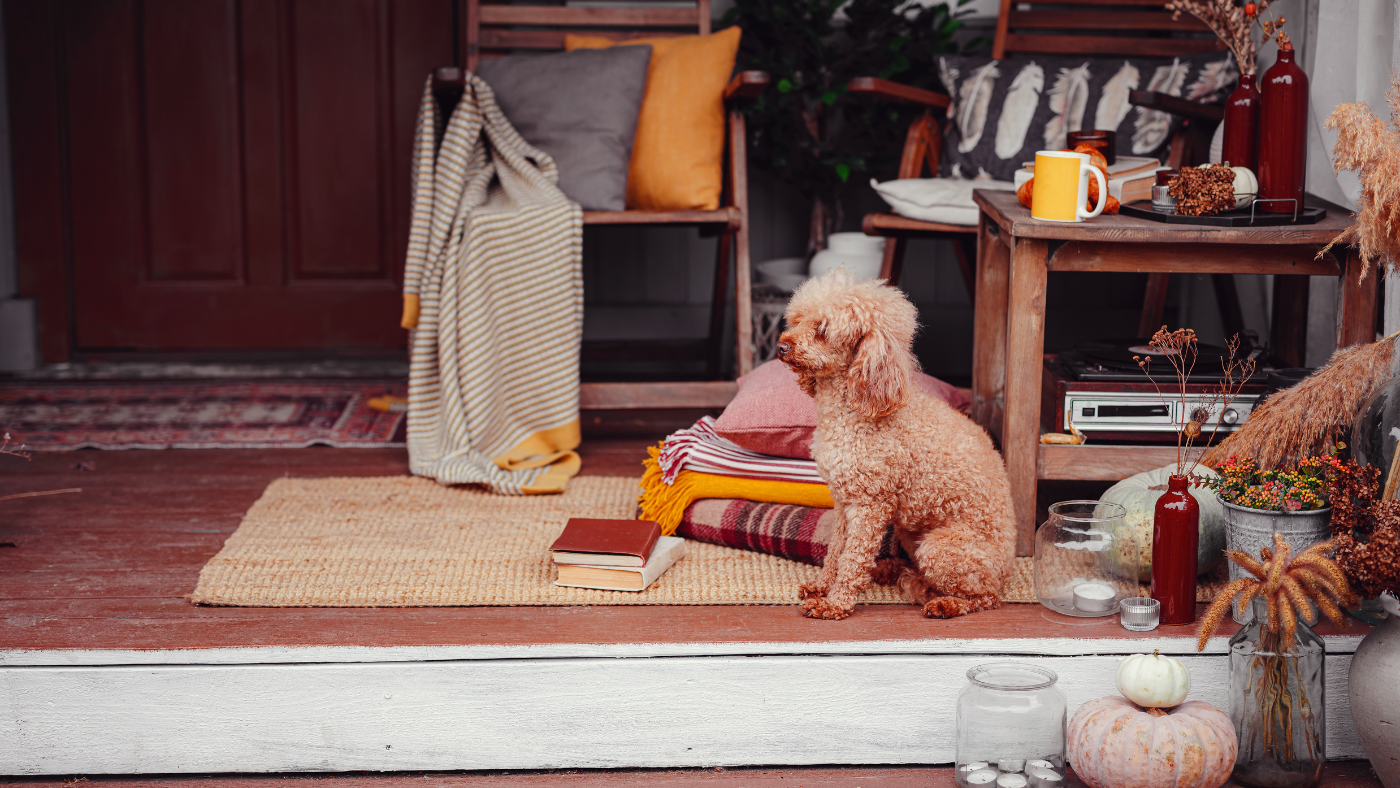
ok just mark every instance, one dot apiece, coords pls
pixel 1101 391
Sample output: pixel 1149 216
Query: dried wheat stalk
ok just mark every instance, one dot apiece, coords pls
pixel 1371 147
pixel 1233 26
pixel 1306 420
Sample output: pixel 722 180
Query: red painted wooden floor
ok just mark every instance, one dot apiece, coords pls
pixel 108 568
pixel 1347 774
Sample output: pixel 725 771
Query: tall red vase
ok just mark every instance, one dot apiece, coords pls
pixel 1241 136
pixel 1175 537
pixel 1283 134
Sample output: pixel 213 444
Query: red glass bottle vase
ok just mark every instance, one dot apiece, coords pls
pixel 1241 136
pixel 1175 537
pixel 1283 134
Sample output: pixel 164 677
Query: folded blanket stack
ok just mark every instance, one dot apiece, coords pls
pixel 697 463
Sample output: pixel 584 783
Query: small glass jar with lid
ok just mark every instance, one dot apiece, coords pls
pixel 1086 559
pixel 1010 728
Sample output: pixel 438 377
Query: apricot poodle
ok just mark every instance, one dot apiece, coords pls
pixel 892 454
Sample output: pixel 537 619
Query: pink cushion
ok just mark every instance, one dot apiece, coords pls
pixel 771 415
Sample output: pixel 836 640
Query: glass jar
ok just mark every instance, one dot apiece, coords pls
pixel 1086 559
pixel 1010 727
pixel 1277 704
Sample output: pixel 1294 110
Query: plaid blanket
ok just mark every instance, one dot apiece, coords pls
pixel 700 448
pixel 799 533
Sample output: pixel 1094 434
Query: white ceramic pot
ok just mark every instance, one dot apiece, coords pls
pixel 784 273
pixel 861 255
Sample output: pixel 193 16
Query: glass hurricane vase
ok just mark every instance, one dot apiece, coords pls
pixel 1086 559
pixel 1277 704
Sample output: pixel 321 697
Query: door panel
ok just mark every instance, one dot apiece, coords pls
pixel 237 172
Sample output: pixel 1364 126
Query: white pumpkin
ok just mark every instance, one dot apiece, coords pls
pixel 1246 185
pixel 1153 680
pixel 1138 496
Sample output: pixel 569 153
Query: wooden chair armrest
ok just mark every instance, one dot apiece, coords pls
pixel 746 84
pixel 893 91
pixel 1176 106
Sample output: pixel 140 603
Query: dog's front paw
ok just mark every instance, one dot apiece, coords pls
pixel 822 607
pixel 809 590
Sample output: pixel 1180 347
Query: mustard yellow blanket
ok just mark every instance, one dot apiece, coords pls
pixel 666 503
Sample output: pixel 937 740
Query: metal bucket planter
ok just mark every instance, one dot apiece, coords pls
pixel 1249 530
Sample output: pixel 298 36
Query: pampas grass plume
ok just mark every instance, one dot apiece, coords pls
pixel 1371 147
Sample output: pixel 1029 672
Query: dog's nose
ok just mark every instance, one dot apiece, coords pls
pixel 784 348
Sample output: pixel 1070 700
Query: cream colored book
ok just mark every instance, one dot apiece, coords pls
pixel 669 549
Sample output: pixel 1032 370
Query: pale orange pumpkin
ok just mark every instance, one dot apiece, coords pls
pixel 1115 743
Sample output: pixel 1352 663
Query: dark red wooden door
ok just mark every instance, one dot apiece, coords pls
pixel 233 175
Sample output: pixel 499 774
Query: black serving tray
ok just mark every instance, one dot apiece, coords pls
pixel 1238 217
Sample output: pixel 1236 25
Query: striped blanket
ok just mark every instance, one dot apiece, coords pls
pixel 493 288
pixel 701 448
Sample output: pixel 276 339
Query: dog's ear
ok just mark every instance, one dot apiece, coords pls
pixel 880 374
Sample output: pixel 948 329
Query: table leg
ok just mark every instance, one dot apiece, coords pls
pixel 1290 328
pixel 1025 359
pixel 989 328
pixel 1356 300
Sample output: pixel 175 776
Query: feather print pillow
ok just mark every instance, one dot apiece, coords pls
pixel 1004 111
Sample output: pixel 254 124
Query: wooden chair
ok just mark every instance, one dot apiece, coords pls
pixel 493 30
pixel 1087 27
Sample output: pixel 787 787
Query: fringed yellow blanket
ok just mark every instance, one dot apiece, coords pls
pixel 666 503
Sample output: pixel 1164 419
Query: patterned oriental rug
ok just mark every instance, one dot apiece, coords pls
pixel 55 416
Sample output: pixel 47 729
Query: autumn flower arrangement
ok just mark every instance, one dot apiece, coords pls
pixel 1242 483
pixel 1274 673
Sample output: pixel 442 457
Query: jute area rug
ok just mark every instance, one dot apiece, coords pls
pixel 410 542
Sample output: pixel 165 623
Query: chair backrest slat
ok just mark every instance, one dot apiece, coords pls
pixel 494 29
pixel 1098 27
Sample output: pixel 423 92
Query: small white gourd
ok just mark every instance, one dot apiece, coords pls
pixel 1246 185
pixel 1153 680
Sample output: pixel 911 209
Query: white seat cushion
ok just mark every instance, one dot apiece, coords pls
pixel 942 200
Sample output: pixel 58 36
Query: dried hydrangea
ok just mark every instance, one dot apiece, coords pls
pixel 1366 532
pixel 1203 191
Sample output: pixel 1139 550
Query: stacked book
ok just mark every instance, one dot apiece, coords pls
pixel 613 555
pixel 1130 178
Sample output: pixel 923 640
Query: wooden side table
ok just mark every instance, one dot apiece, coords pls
pixel 1014 254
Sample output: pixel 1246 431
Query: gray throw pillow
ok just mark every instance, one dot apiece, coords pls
pixel 579 107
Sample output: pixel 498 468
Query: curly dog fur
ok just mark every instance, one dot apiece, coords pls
pixel 892 454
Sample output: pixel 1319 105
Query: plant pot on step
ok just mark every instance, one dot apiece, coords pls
pixel 1249 530
pixel 1375 698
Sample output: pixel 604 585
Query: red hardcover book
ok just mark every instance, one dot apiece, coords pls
pixel 606 542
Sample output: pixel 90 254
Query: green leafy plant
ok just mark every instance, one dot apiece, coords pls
pixel 807 128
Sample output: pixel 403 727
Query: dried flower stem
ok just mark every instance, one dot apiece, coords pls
pixel 17 451
pixel 1181 350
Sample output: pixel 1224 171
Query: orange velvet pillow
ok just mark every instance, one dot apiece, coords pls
pixel 678 152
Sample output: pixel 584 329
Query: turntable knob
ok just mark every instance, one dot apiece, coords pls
pixel 1230 416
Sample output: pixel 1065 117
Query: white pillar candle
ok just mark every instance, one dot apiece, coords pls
pixel 984 777
pixel 1011 781
pixel 1094 597
pixel 1011 764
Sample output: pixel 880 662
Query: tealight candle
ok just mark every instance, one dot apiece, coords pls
pixel 1094 597
pixel 984 777
pixel 1011 764
pixel 1036 763
pixel 1044 778
pixel 1011 781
